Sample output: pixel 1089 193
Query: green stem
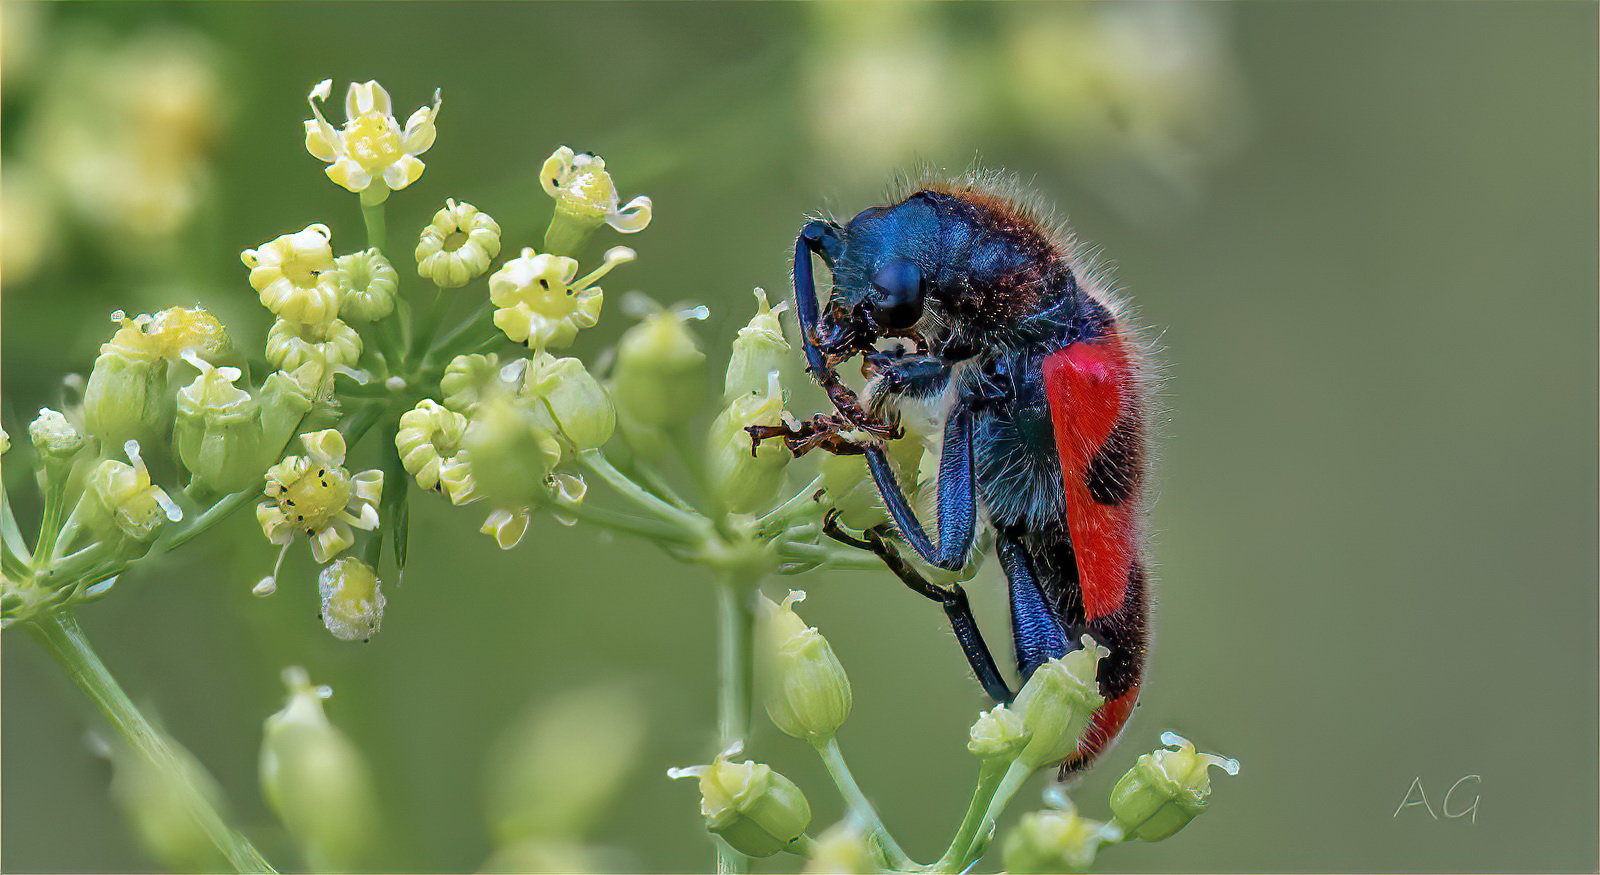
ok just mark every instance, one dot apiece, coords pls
pixel 989 776
pixel 687 520
pixel 60 635
pixel 372 216
pixel 859 805
pixel 958 859
pixel 780 515
pixel 212 515
pixel 15 545
pixel 735 628
pixel 429 328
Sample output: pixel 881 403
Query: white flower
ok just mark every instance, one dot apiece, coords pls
pixel 371 155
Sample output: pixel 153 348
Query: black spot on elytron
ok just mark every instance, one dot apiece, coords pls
pixel 1124 632
pixel 1115 471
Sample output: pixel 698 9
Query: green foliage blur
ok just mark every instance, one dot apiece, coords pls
pixel 1364 234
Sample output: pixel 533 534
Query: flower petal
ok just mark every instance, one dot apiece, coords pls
pixel 420 132
pixel 331 541
pixel 553 175
pixel 402 172
pixel 347 173
pixel 318 141
pixel 632 218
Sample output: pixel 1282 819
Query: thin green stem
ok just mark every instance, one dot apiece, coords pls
pixel 657 506
pixel 372 216
pixel 783 512
pixel 60 635
pixel 859 805
pixel 212 515
pixel 989 776
pixel 430 327
pixel 618 521
pixel 11 536
pixel 958 859
pixel 735 687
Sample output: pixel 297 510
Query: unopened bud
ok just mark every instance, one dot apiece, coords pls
pixel 998 734
pixel 286 398
pixel 315 780
pixel 1165 789
pixel 657 382
pixel 466 378
pixel 429 441
pixel 331 344
pixel 369 285
pixel 158 803
pixel 1055 841
pixel 841 849
pixel 757 811
pixel 219 430
pixel 352 599
pixel 746 477
pixel 807 692
pixel 54 438
pixel 759 350
pixel 127 394
pixel 121 499
pixel 849 487
pixel 1057 702
pixel 580 407
pixel 510 450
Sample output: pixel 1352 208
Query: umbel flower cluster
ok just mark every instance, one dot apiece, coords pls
pixel 433 370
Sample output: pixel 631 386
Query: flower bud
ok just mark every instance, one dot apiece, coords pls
pixel 806 690
pixel 121 500
pixel 457 245
pixel 1055 841
pixel 296 277
pixel 746 477
pixel 188 329
pixel 510 450
pixel 579 405
pixel 158 804
pixel 759 350
pixel 54 438
pixel 849 487
pixel 998 734
pixel 127 394
pixel 466 378
pixel 429 441
pixel 841 849
pixel 332 345
pixel 219 430
pixel 1057 702
pixel 369 285
pixel 315 780
pixel 1165 789
pixel 586 198
pixel 285 400
pixel 757 811
pixel 559 769
pixel 657 380
pixel 352 599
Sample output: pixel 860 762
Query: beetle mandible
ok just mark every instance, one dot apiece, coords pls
pixel 1000 326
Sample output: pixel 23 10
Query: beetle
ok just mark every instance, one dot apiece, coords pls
pixel 965 300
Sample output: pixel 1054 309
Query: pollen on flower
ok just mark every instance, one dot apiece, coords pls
pixel 370 154
pixel 542 302
pixel 315 496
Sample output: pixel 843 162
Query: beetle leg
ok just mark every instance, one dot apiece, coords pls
pixel 817 237
pixel 953 599
pixel 1036 632
pixel 958 504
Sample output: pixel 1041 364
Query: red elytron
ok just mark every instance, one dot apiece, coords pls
pixel 1026 360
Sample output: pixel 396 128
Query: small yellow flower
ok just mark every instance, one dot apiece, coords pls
pixel 128 498
pixel 181 329
pixel 314 494
pixel 295 275
pixel 429 441
pixel 369 285
pixel 584 191
pixel 457 245
pixel 542 302
pixel 332 345
pixel 371 155
pixel 352 599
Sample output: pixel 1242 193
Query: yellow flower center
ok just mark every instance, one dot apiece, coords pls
pixel 316 499
pixel 372 141
pixel 590 193
pixel 300 268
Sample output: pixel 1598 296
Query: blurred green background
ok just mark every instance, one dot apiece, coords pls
pixel 1365 235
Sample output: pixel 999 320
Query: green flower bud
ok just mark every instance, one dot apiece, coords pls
pixel 657 381
pixel 806 690
pixel 577 403
pixel 466 378
pixel 457 245
pixel 559 769
pixel 219 430
pixel 54 438
pixel 746 477
pixel 332 345
pixel 352 599
pixel 315 780
pixel 430 445
pixel 998 734
pixel 369 284
pixel 511 451
pixel 849 485
pixel 586 198
pixel 1055 841
pixel 127 395
pixel 842 849
pixel 757 811
pixel 157 803
pixel 1057 702
pixel 759 350
pixel 1165 789
pixel 122 501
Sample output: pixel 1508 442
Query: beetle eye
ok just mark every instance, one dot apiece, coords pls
pixel 896 295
